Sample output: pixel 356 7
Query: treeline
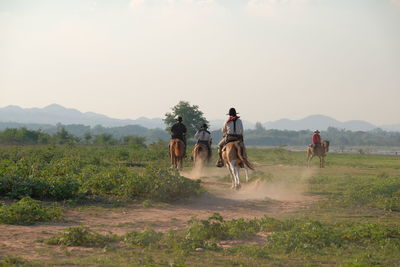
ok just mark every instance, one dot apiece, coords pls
pixel 338 137
pixel 137 135
pixel 84 131
pixel 24 136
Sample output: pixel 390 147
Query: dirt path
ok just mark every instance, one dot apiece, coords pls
pixel 255 199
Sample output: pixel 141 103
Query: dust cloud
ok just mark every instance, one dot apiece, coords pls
pixel 281 189
pixel 289 183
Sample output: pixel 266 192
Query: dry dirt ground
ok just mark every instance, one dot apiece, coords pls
pixel 254 199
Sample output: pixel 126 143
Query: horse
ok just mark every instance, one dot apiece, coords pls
pixel 200 155
pixel 176 152
pixel 319 151
pixel 232 155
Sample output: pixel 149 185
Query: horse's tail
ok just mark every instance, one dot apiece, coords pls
pixel 180 147
pixel 240 156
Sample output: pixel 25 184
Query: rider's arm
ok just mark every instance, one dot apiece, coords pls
pixel 224 130
pixel 239 127
pixel 196 136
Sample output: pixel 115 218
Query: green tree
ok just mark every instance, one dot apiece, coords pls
pixel 88 136
pixel 192 117
pixel 104 139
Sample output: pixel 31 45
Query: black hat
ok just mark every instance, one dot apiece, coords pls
pixel 179 118
pixel 232 112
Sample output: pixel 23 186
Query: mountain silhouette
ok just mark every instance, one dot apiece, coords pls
pixel 54 114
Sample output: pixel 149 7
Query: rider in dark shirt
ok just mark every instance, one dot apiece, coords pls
pixel 178 130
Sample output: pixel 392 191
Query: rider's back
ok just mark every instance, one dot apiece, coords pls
pixel 233 127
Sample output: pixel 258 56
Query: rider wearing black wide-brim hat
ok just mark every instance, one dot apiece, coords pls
pixel 231 131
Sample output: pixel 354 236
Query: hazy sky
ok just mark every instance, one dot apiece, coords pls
pixel 270 59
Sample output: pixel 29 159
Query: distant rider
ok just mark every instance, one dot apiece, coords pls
pixel 178 130
pixel 231 131
pixel 203 136
pixel 316 139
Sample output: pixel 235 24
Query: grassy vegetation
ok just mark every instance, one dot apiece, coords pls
pixel 298 240
pixel 77 172
pixel 80 236
pixel 28 211
pixel 355 222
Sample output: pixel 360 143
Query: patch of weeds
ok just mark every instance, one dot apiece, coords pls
pixel 305 236
pixel 28 211
pixel 382 192
pixel 147 203
pixel 248 251
pixel 81 236
pixel 147 238
pixel 14 262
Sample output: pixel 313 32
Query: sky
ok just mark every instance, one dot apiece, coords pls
pixel 270 59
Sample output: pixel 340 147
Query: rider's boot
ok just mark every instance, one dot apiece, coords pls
pixel 220 163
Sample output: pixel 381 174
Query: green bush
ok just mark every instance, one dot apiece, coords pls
pixel 14 262
pixel 81 236
pixel 147 238
pixel 249 251
pixel 68 172
pixel 28 211
pixel 159 184
pixel 305 236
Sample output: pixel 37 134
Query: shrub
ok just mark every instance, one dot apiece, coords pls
pixel 14 262
pixel 160 184
pixel 28 211
pixel 147 238
pixel 80 236
pixel 305 236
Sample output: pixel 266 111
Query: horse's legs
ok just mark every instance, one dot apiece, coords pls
pixel 228 166
pixel 237 169
pixel 235 173
pixel 323 162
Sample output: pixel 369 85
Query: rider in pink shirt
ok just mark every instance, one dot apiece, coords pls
pixel 316 139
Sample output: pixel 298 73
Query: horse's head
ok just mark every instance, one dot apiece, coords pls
pixel 325 144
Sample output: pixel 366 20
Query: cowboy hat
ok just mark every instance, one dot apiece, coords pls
pixel 232 112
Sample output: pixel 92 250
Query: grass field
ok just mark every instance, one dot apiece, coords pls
pixel 122 206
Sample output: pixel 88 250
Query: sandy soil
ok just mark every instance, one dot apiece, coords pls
pixel 254 199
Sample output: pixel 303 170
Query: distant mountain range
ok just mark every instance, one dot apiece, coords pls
pixel 320 122
pixel 54 114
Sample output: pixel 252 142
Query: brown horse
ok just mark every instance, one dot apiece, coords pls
pixel 320 152
pixel 200 155
pixel 232 155
pixel 176 152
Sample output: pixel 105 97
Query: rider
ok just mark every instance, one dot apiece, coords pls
pixel 178 130
pixel 316 139
pixel 203 136
pixel 232 131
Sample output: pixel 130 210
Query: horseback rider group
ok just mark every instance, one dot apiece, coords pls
pixel 232 131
